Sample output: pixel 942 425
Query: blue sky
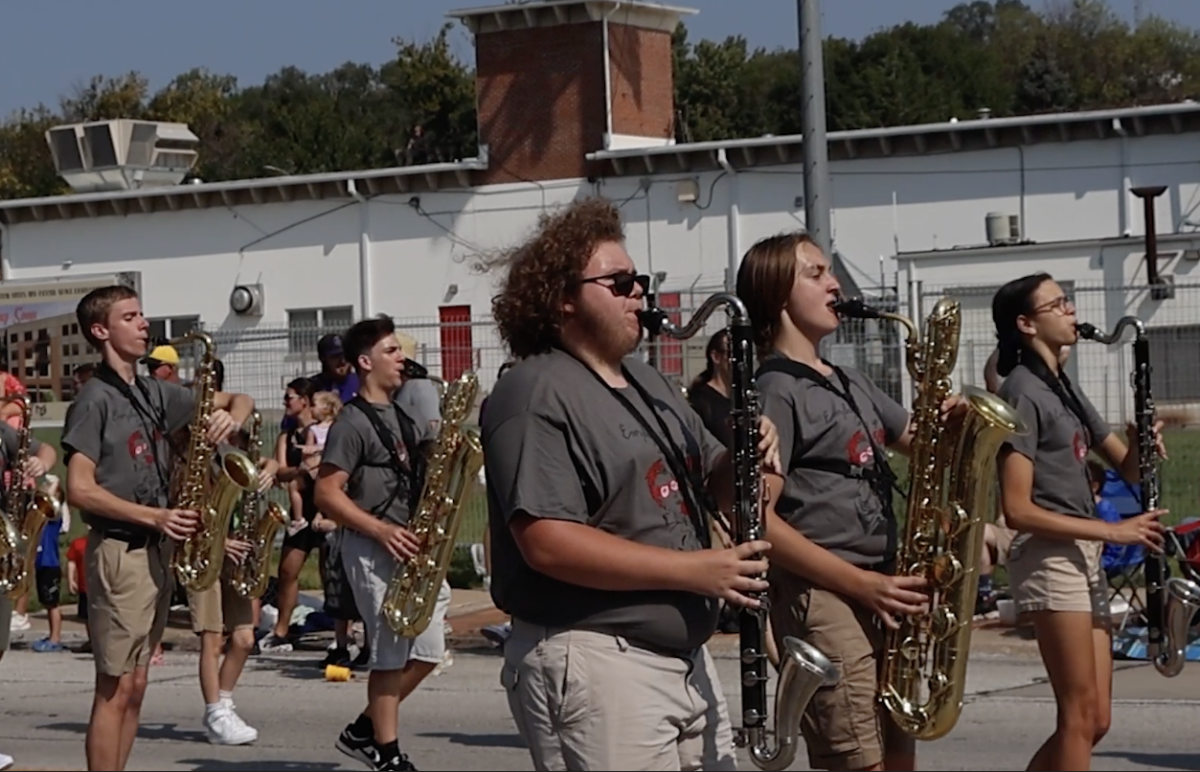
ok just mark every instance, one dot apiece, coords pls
pixel 47 47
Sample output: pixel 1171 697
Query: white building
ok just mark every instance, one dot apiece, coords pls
pixel 909 204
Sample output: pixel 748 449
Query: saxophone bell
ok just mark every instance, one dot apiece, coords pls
pixel 1182 603
pixel 24 515
pixel 259 524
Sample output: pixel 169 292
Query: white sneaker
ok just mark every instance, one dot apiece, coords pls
pixel 19 622
pixel 224 727
pixel 6 761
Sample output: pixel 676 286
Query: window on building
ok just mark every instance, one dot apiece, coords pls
pixel 168 327
pixel 307 325
pixel 1174 367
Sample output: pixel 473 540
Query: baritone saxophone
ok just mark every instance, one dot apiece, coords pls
pixel 455 461
pixel 952 487
pixel 198 559
pixel 25 515
pixel 259 524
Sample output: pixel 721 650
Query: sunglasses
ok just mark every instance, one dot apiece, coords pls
pixel 622 283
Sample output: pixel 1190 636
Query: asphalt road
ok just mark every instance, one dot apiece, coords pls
pixel 459 718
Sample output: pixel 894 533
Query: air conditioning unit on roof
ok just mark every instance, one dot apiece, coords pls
pixel 122 154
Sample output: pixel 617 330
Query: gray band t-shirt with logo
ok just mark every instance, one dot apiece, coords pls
pixel 126 444
pixel 842 514
pixel 559 445
pixel 1057 442
pixel 354 447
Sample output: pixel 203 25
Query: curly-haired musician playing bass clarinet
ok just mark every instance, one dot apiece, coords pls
pixel 1054 564
pixel 596 470
pixel 115 440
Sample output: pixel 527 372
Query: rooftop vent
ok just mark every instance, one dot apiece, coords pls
pixel 122 154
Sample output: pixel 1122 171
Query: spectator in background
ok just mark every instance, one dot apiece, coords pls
pixel 163 363
pixel 709 393
pixel 77 583
pixel 82 375
pixel 336 375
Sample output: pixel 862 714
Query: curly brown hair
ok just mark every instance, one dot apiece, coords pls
pixel 544 272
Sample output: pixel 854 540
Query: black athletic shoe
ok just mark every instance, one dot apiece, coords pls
pixel 361 749
pixel 396 763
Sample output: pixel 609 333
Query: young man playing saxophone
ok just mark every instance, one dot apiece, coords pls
pixel 118 467
pixel 368 483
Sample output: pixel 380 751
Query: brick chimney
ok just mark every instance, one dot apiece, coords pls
pixel 541 87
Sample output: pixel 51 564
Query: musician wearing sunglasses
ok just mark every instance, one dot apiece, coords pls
pixel 597 478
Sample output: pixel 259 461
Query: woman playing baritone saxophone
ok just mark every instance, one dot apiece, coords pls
pixel 1054 562
pixel 830 517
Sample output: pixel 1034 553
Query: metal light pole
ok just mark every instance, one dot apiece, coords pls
pixel 817 193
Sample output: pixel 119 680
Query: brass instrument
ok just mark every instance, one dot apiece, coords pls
pixel 214 494
pixel 1170 604
pixel 25 515
pixel 952 487
pixel 455 461
pixel 804 669
pixel 259 524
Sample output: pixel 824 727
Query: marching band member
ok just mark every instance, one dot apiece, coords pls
pixel 368 482
pixel 115 443
pixel 830 515
pixel 1054 563
pixel 596 471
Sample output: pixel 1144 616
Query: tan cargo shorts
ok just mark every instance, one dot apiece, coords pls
pixel 219 609
pixel 1058 575
pixel 129 600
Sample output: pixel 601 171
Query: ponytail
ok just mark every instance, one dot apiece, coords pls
pixel 1008 352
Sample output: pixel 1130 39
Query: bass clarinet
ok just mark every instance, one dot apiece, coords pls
pixel 1170 604
pixel 804 668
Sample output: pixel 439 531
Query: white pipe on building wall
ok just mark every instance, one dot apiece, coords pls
pixel 608 100
pixel 734 227
pixel 1124 227
pixel 364 248
pixel 5 266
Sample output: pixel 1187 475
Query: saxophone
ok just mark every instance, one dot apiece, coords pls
pixel 804 668
pixel 1170 605
pixel 952 486
pixel 457 456
pixel 199 558
pixel 25 515
pixel 258 526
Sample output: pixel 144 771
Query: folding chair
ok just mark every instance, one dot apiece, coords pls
pixel 1123 563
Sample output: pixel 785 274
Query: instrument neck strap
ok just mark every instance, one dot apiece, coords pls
pixel 157 419
pixel 693 491
pixel 881 477
pixel 403 467
pixel 1061 386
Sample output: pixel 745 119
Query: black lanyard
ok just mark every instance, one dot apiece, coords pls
pixel 1060 385
pixel 688 486
pixel 157 420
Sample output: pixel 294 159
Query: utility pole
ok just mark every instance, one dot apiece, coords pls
pixel 817 192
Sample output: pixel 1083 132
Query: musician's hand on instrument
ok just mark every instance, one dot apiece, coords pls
pixel 891 596
pixel 178 524
pixel 399 541
pixel 1131 432
pixel 221 426
pixel 730 573
pixel 34 468
pixel 954 408
pixel 237 550
pixel 267 468
pixel 1144 529
pixel 768 446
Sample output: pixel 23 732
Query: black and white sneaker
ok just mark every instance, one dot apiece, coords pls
pixel 361 749
pixel 397 763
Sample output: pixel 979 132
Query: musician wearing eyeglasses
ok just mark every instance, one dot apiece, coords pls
pixel 596 473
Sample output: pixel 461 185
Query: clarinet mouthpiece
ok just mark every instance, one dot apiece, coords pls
pixel 1086 331
pixel 652 319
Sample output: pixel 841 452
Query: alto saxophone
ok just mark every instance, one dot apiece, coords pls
pixel 25 515
pixel 804 668
pixel 260 522
pixel 457 456
pixel 952 487
pixel 1170 604
pixel 197 486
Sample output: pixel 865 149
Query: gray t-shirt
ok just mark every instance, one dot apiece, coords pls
pixel 8 452
pixel 818 428
pixel 354 447
pixel 558 444
pixel 419 400
pixel 133 459
pixel 1057 442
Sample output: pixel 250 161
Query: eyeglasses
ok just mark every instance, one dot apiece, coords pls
pixel 1061 305
pixel 622 283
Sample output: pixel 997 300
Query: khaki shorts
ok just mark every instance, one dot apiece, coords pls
pixel 845 726
pixel 219 609
pixel 5 622
pixel 1057 575
pixel 589 700
pixel 129 601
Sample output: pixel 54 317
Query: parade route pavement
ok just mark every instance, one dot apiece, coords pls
pixel 459 718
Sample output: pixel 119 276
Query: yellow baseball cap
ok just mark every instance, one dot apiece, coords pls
pixel 162 355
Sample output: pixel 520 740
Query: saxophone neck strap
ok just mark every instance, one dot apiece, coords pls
pixel 402 466
pixel 146 411
pixel 1061 385
pixel 693 491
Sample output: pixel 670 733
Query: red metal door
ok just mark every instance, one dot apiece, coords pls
pixel 457 351
pixel 670 350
